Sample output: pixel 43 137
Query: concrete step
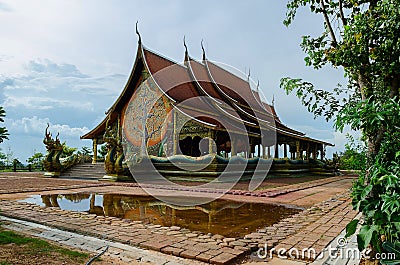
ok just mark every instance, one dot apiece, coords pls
pixel 85 171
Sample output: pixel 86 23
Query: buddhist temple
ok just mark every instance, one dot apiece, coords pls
pixel 198 112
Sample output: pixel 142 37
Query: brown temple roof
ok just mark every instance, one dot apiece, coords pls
pixel 182 82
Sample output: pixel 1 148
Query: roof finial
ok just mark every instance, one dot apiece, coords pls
pixel 258 84
pixel 204 52
pixel 248 76
pixel 273 99
pixel 137 32
pixel 186 49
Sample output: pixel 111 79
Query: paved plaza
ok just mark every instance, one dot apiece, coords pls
pixel 326 204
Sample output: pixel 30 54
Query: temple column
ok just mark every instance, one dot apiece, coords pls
pixel 142 212
pixel 297 149
pixel 259 150
pixel 314 152
pixel 233 147
pixel 94 160
pixel 173 216
pixel 276 151
pixel 210 142
pixel 285 150
pixel 269 152
pixel 175 136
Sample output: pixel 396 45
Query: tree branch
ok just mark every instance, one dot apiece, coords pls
pixel 328 23
pixel 344 21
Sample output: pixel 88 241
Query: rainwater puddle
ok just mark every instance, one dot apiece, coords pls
pixel 224 217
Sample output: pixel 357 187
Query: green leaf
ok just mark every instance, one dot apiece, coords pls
pixel 351 227
pixel 366 191
pixel 365 236
pixel 393 248
pixel 390 262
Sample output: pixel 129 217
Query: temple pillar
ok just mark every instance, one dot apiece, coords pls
pixel 175 136
pixel 173 216
pixel 94 160
pixel 298 150
pixel 142 212
pixel 285 150
pixel 259 150
pixel 210 142
pixel 276 151
pixel 314 152
pixel 269 152
pixel 233 147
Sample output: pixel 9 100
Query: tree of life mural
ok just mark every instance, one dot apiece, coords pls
pixel 146 118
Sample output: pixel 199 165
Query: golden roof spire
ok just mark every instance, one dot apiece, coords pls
pixel 186 49
pixel 137 32
pixel 204 52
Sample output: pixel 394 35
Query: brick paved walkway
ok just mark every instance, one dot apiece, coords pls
pixel 123 252
pixel 314 227
pixel 328 219
pixel 34 184
pixel 169 240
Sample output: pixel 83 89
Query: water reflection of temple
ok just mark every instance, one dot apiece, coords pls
pixel 224 217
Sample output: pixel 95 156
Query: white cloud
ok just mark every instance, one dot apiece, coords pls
pixel 5 7
pixel 340 138
pixel 27 133
pixel 48 66
pixel 37 126
pixel 49 85
pixel 42 103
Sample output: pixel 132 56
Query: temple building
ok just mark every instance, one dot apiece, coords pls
pixel 197 110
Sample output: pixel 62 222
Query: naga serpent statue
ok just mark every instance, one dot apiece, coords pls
pixel 52 163
pixel 115 155
pixel 54 149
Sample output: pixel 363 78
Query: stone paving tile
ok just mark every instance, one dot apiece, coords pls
pixel 116 250
pixel 34 184
pixel 223 258
pixel 321 233
pixel 326 218
pixel 143 237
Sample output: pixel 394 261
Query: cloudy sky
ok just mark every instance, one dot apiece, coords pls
pixel 65 62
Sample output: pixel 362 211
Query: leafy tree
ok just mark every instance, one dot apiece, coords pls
pixel 67 150
pixel 36 159
pixel 362 37
pixel 9 156
pixel 85 154
pixel 17 162
pixel 86 151
pixel 2 158
pixel 354 156
pixel 3 131
pixel 103 151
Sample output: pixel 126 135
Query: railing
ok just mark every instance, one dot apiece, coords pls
pixel 16 167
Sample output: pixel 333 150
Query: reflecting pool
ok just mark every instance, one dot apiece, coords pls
pixel 224 217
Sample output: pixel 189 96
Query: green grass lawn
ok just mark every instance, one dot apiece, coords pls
pixel 37 246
